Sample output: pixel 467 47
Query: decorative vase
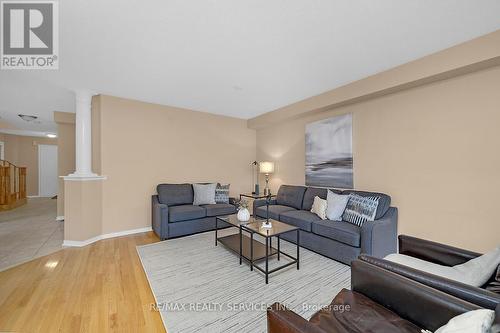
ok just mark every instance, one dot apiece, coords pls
pixel 243 215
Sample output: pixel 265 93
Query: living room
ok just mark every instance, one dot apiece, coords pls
pixel 199 192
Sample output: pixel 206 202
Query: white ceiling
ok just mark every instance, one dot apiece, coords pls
pixel 237 58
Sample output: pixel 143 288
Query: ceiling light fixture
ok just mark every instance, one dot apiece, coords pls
pixel 28 118
pixel 51 135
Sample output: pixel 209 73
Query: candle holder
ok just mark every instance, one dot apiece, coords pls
pixel 267 224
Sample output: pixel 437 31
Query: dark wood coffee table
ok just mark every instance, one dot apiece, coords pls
pixel 251 250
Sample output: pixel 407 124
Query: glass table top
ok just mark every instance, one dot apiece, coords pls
pixel 256 225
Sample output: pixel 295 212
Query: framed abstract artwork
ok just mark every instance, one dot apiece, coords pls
pixel 329 161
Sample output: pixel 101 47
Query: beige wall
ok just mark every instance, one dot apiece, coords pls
pixel 65 152
pixel 83 209
pixel 434 149
pixel 23 151
pixel 144 144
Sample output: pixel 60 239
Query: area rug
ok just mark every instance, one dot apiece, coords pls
pixel 200 287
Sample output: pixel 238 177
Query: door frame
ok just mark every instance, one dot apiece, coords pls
pixel 2 150
pixel 39 168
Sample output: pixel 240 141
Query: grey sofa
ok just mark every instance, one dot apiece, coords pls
pixel 174 215
pixel 341 241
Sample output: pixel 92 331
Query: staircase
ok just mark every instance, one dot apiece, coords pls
pixel 12 185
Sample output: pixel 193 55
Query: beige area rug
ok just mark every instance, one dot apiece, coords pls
pixel 29 232
pixel 200 287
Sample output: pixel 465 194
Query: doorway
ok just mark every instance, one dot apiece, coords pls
pixel 47 170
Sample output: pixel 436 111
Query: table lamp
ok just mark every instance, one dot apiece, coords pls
pixel 266 168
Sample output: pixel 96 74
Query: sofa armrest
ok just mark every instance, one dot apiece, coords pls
pixel 261 202
pixel 424 306
pixel 475 295
pixel 282 320
pixel 379 237
pixel 434 252
pixel 159 216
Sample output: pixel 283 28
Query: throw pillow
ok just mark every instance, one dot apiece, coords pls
pixel 204 194
pixel 319 207
pixel 494 285
pixel 475 272
pixel 477 321
pixel 336 205
pixel 222 194
pixel 360 209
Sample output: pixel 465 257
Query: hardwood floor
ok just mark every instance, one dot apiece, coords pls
pixel 97 288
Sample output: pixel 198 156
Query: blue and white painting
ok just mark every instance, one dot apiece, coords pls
pixel 329 152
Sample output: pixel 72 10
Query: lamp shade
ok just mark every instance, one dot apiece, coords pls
pixel 266 167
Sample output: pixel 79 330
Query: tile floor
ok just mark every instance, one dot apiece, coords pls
pixel 29 232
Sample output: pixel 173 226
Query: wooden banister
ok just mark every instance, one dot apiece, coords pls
pixel 12 185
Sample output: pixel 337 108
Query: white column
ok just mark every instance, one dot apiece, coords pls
pixel 83 138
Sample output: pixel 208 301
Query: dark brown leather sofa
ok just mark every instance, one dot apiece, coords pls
pixel 443 255
pixel 379 301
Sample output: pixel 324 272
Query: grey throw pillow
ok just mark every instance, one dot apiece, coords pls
pixel 360 209
pixel 204 194
pixel 336 205
pixel 222 194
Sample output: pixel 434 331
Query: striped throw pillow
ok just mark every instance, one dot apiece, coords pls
pixel 222 194
pixel 360 209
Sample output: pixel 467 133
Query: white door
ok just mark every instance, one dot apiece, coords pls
pixel 47 170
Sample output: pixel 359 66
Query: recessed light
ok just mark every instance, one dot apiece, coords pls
pixel 51 135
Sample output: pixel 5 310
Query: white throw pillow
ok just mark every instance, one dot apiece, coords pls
pixel 204 194
pixel 336 204
pixel 477 321
pixel 319 207
pixel 475 272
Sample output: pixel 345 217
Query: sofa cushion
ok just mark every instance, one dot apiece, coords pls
pixel 274 211
pixel 219 209
pixel 364 315
pixel 175 194
pixel 309 195
pixel 343 232
pixel 292 196
pixel 383 204
pixel 475 272
pixel 299 218
pixel 185 212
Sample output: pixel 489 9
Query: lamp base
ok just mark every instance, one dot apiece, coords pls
pixel 267 191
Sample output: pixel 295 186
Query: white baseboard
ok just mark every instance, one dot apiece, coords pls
pixel 33 196
pixel 60 218
pixel 104 236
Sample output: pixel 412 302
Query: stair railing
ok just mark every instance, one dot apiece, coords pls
pixel 12 183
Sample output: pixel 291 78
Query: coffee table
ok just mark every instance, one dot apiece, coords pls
pixel 251 250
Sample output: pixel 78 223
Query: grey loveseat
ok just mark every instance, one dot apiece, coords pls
pixel 341 241
pixel 174 214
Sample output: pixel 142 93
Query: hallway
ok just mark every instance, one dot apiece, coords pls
pixel 29 232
